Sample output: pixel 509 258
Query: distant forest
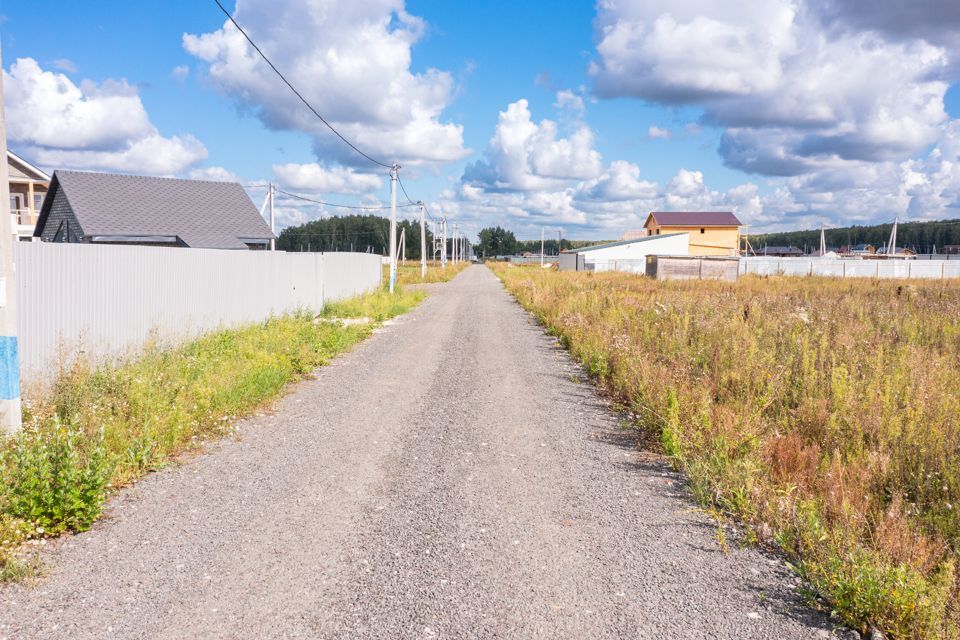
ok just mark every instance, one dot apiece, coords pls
pixel 363 233
pixel 922 237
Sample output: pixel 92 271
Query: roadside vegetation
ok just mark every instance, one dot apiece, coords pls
pixel 824 414
pixel 95 429
pixel 410 273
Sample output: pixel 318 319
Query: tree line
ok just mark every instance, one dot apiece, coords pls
pixel 497 241
pixel 921 237
pixel 362 233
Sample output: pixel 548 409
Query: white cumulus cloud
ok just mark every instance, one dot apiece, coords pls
pixel 658 133
pixel 351 61
pixel 317 178
pixel 527 156
pixel 105 126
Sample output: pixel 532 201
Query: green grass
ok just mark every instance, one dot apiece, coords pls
pixel 409 273
pixel 97 428
pixel 823 413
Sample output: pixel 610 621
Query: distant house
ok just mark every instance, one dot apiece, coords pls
pixel 28 186
pixel 626 255
pixel 861 250
pixel 897 252
pixel 783 252
pixel 635 234
pixel 104 208
pixel 712 233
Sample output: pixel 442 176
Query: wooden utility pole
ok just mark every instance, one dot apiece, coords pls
pixel 10 418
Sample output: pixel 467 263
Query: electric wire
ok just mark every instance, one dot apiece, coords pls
pixel 297 93
pixel 342 206
pixel 404 189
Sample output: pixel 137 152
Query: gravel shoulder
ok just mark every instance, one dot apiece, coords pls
pixel 451 477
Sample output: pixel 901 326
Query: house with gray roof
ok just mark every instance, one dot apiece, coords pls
pixel 105 208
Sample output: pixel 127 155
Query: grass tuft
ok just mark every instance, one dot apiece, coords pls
pixel 821 412
pixel 100 427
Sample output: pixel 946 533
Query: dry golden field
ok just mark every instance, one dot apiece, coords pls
pixel 824 414
pixel 409 273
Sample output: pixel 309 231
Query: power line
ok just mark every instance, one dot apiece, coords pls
pixel 342 206
pixel 404 189
pixel 297 93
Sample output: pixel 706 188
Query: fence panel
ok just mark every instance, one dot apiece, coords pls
pixel 107 300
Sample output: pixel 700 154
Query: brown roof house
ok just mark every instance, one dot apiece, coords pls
pixel 712 233
pixel 106 208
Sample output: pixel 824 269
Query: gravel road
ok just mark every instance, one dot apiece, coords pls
pixel 452 477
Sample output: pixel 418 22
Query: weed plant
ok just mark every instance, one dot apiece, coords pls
pixel 825 413
pixel 100 427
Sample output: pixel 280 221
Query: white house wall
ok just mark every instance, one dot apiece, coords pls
pixel 671 245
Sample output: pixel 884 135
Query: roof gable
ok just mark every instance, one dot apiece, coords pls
pixel 217 215
pixel 20 168
pixel 693 219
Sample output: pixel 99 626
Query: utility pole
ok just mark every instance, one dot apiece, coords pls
pixel 423 243
pixel 10 420
pixel 393 225
pixel 892 246
pixel 559 242
pixel 541 246
pixel 823 242
pixel 443 244
pixel 403 245
pixel 273 229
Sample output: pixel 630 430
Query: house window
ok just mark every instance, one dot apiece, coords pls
pixel 37 201
pixel 658 231
pixel 58 236
pixel 702 230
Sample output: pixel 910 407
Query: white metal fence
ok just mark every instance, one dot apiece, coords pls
pixel 926 269
pixel 107 300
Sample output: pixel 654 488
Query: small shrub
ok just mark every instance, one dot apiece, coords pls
pixel 112 423
pixel 54 478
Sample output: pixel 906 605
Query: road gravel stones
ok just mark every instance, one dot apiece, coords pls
pixel 452 477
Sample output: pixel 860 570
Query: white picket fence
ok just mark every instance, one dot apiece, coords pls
pixel 104 301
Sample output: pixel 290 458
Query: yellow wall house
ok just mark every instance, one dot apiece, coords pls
pixel 712 233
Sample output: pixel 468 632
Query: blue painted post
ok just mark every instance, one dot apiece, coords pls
pixel 9 350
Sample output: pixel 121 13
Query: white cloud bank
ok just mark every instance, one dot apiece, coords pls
pixel 838 103
pixel 532 175
pixel 351 60
pixel 58 124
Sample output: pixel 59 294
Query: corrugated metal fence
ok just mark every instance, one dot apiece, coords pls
pixel 927 269
pixel 106 300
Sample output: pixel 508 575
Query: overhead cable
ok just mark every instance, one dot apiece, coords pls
pixel 342 206
pixel 297 93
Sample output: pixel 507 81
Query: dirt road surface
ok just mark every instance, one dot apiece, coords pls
pixel 452 477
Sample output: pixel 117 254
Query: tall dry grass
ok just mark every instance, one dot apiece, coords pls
pixel 825 413
pixel 409 273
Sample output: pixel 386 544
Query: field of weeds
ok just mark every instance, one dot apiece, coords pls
pixel 823 413
pixel 98 428
pixel 409 273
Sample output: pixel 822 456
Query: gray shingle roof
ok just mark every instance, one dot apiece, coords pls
pixel 203 214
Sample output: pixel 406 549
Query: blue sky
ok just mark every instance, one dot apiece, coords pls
pixel 523 114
